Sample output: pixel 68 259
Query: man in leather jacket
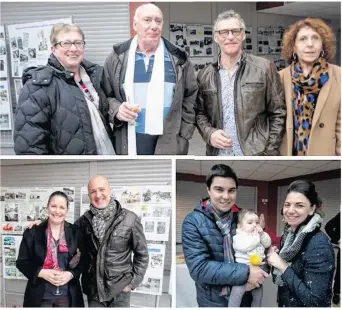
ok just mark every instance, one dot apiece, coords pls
pixel 111 234
pixel 240 103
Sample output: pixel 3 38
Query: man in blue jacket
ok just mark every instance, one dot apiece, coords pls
pixel 207 242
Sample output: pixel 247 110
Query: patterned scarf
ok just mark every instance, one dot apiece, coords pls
pixel 293 242
pixel 305 91
pixel 100 218
pixel 224 222
pixel 51 261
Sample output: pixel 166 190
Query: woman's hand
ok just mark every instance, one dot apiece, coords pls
pixel 66 276
pixel 275 260
pixel 51 275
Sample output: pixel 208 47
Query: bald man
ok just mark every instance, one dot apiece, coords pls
pixel 112 234
pixel 152 89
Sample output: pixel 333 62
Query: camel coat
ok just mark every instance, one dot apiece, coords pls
pixel 325 136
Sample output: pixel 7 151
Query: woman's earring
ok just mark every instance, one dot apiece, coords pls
pixel 322 53
pixel 294 55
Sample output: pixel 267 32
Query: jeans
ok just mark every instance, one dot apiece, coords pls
pixel 122 300
pixel 63 302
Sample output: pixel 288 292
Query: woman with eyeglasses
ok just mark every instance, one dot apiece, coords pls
pixel 312 87
pixel 62 109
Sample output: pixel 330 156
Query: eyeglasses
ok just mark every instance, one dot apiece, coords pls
pixel 225 32
pixel 67 44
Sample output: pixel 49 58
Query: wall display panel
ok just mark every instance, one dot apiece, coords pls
pixel 22 206
pixel 30 44
pixel 10 251
pixel 153 280
pixel 5 106
pixel 3 53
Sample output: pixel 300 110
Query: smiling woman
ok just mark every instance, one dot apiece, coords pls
pixel 62 108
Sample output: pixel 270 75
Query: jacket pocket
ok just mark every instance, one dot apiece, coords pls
pixel 119 240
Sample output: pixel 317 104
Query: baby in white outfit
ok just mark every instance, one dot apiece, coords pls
pixel 250 239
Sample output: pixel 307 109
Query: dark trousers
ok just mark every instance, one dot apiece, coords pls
pixel 63 302
pixel 122 300
pixel 337 280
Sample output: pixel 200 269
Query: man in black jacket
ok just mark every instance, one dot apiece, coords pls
pixel 151 89
pixel 333 229
pixel 112 234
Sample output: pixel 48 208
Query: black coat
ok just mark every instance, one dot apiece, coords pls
pixel 52 115
pixel 32 253
pixel 308 281
pixel 109 267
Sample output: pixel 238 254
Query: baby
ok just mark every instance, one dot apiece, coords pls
pixel 249 244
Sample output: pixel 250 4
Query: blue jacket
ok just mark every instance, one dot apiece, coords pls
pixel 308 281
pixel 203 251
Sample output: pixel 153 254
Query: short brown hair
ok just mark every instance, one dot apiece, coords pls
pixel 242 214
pixel 60 27
pixel 318 25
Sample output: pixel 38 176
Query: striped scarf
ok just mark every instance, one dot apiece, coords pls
pixel 224 223
pixel 293 243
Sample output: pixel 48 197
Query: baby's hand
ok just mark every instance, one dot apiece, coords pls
pixel 260 230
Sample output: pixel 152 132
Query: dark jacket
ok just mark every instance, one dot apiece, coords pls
pixel 179 124
pixel 333 228
pixel 52 115
pixel 204 255
pixel 109 266
pixel 260 110
pixel 32 253
pixel 308 281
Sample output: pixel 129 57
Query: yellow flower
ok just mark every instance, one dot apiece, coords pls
pixel 255 259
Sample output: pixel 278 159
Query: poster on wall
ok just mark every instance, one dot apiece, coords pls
pixel 22 206
pixel 5 106
pixel 30 44
pixel 248 43
pixel 277 60
pixel 3 53
pixel 156 228
pixel 196 39
pixel 153 280
pixel 269 40
pixel 10 251
pixel 200 63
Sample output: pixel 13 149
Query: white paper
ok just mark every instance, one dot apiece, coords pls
pixel 156 228
pixel 3 54
pixel 5 106
pixel 30 44
pixel 153 280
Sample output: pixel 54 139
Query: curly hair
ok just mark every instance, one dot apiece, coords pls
pixel 318 25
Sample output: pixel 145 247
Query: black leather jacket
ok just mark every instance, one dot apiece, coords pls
pixel 260 110
pixel 109 267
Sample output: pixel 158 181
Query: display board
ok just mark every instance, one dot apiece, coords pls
pixel 20 206
pixel 10 251
pixel 269 40
pixel 248 42
pixel 5 98
pixel 196 40
pixel 30 44
pixel 153 280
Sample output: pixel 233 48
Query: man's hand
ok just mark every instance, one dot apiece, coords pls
pixel 262 221
pixel 127 289
pixel 221 140
pixel 249 287
pixel 127 112
pixel 256 275
pixel 37 223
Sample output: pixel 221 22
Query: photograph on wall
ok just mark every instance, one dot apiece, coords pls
pixel 269 40
pixel 21 206
pixel 156 228
pixel 156 210
pixel 201 62
pixel 3 54
pixel 30 44
pixel 153 280
pixel 5 106
pixel 10 251
pixel 247 43
pixel 157 194
pixel 196 39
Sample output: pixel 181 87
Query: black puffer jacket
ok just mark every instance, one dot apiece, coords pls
pixel 52 115
pixel 109 267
